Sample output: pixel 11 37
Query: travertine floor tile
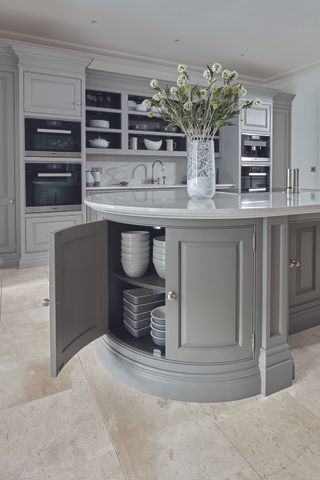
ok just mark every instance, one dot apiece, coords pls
pixel 310 339
pixel 25 322
pixel 307 371
pixel 14 277
pixel 162 439
pixel 273 433
pixel 51 432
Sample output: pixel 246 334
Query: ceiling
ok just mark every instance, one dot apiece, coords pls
pixel 264 40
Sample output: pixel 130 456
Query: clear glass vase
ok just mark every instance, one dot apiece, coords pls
pixel 201 172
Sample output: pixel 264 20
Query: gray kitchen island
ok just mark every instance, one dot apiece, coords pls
pixel 236 267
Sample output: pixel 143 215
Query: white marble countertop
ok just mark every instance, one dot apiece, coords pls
pixel 149 187
pixel 175 203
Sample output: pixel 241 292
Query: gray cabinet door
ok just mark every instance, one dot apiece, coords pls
pixel 212 273
pixel 257 118
pixel 52 94
pixel 7 165
pixel 305 249
pixel 78 290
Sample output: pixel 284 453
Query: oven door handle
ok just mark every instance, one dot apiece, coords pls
pixel 52 130
pixel 261 174
pixel 257 190
pixel 54 175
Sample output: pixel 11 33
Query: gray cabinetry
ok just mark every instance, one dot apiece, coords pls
pixel 7 165
pixel 257 118
pixel 212 273
pixel 52 94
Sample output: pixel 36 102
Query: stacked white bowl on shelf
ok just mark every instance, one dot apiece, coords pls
pixel 158 326
pixel 135 252
pixel 159 256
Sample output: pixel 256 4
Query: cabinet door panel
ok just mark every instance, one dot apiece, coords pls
pixel 52 94
pixel 78 290
pixel 212 272
pixel 304 247
pixel 257 118
pixel 7 165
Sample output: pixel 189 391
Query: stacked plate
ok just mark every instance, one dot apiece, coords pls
pixel 158 326
pixel 159 256
pixel 137 306
pixel 135 252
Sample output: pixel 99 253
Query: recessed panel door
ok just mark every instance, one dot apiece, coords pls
pixel 78 290
pixel 210 316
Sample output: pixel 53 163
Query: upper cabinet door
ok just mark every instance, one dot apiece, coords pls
pixel 78 290
pixel 257 118
pixel 7 165
pixel 304 249
pixel 213 323
pixel 52 94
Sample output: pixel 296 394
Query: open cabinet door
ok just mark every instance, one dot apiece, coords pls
pixel 78 290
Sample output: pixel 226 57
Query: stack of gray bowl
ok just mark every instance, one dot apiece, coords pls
pixel 135 253
pixel 158 326
pixel 137 306
pixel 159 256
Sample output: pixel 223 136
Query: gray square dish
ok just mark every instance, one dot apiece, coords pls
pixel 146 307
pixel 137 324
pixel 137 332
pixel 137 316
pixel 137 296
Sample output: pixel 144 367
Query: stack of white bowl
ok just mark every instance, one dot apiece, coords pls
pixel 158 326
pixel 135 252
pixel 159 256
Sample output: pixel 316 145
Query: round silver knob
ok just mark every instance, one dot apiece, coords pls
pixel 11 201
pixel 171 296
pixel 45 302
pixel 294 264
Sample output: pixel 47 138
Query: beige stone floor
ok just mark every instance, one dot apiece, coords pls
pixel 85 425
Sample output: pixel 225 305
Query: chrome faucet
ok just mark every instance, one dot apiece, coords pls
pixel 153 180
pixel 144 166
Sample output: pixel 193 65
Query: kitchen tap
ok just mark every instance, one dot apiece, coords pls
pixel 153 180
pixel 144 166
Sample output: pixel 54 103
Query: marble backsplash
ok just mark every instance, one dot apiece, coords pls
pixel 135 172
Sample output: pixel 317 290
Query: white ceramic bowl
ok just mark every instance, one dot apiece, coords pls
pixel 97 122
pixel 159 256
pixel 159 315
pixel 134 241
pixel 159 241
pixel 158 326
pixel 158 333
pixel 157 261
pixel 99 143
pixel 161 270
pixel 141 107
pixel 158 341
pixel 159 249
pixel 135 257
pixel 152 145
pixel 135 269
pixel 135 235
pixel 135 248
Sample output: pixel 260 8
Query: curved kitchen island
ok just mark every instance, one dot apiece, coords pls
pixel 227 273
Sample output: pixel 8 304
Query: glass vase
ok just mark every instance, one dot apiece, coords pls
pixel 201 173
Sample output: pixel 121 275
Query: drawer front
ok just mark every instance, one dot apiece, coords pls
pixel 39 229
pixel 52 94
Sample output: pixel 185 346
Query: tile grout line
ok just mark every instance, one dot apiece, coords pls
pixel 230 441
pixel 103 420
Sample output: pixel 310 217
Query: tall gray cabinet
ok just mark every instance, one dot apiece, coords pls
pixel 8 240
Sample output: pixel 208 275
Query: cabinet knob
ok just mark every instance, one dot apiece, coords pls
pixel 294 264
pixel 171 296
pixel 11 201
pixel 45 302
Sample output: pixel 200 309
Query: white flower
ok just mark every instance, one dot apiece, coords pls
pixel 216 68
pixel 181 80
pixel 187 105
pixel 173 90
pixel 154 83
pixel 147 103
pixel 243 91
pixel 234 75
pixel 257 102
pixel 226 74
pixel 203 92
pixel 157 97
pixel 206 74
pixel 182 68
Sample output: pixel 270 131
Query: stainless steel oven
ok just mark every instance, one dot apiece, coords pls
pixel 255 178
pixel 52 187
pixel 52 138
pixel 255 148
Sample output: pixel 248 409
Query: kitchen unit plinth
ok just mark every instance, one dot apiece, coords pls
pixel 227 264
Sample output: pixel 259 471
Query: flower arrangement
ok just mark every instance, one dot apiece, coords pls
pixel 199 112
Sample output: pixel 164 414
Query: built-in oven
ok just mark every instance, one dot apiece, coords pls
pixel 52 138
pixel 255 147
pixel 52 187
pixel 255 178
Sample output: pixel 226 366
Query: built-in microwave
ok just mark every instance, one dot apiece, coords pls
pixel 255 147
pixel 52 138
pixel 255 178
pixel 52 187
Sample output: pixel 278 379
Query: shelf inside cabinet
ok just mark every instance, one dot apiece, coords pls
pixel 103 100
pixel 150 280
pixel 106 130
pixel 101 109
pixel 144 344
pixel 159 134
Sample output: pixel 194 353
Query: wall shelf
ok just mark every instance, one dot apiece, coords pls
pixel 102 109
pixel 150 280
pixel 159 134
pixel 106 130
